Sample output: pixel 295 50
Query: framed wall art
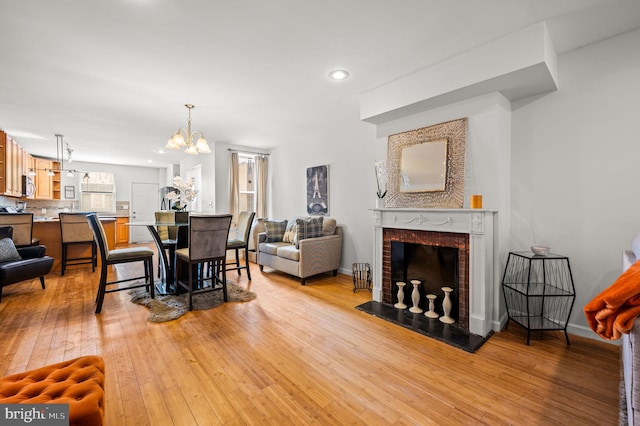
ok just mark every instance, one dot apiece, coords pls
pixel 69 192
pixel 318 190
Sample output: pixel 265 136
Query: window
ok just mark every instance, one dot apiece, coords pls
pixel 97 192
pixel 247 182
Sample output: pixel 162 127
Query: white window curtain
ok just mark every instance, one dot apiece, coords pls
pixel 261 177
pixel 262 174
pixel 234 190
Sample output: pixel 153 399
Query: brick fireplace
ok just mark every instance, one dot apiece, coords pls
pixel 429 238
pixel 470 231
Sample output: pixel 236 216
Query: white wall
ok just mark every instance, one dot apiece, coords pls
pixel 575 158
pixel 574 153
pixel 124 176
pixel 350 155
pixel 209 175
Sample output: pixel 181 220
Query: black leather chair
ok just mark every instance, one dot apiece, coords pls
pixel 34 263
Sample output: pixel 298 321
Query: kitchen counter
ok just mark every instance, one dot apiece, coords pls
pixel 48 231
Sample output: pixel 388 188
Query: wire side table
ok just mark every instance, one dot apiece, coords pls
pixel 538 291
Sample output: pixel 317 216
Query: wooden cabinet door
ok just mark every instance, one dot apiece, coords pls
pixel 44 190
pixel 3 162
pixel 55 181
pixel 8 166
pixel 17 169
pixel 122 231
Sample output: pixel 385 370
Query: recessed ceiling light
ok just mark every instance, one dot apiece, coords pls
pixel 338 74
pixel 161 151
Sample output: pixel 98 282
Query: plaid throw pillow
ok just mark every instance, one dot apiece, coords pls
pixel 291 233
pixel 308 228
pixel 275 230
pixel 8 250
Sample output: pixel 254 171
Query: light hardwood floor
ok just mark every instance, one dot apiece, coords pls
pixel 301 355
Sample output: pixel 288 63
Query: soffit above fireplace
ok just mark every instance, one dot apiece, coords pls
pixel 518 65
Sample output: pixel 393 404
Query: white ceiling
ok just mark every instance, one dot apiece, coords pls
pixel 113 76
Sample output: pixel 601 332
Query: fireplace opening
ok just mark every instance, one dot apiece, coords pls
pixel 434 266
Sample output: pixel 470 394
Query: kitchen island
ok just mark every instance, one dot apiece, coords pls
pixel 48 231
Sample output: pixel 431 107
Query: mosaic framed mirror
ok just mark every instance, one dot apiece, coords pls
pixel 426 166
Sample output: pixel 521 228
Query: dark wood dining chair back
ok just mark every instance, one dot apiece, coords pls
pixel 241 241
pixel 76 232
pixel 112 257
pixel 208 235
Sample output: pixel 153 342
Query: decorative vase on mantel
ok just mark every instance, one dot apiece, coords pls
pixel 379 202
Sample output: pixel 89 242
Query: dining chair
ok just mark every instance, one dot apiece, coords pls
pixel 241 241
pixel 22 228
pixel 75 231
pixel 168 234
pixel 208 235
pixel 113 257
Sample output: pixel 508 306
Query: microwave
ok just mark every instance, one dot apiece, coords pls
pixel 28 186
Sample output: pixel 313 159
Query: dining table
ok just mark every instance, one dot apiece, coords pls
pixel 167 285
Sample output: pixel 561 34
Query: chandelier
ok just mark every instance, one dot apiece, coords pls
pixel 185 138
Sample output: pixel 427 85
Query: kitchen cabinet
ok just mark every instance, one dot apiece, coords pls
pixel 13 157
pixel 47 187
pixel 122 231
pixel 15 162
pixel 28 166
pixel 44 182
pixel 55 181
pixel 16 166
pixel 3 180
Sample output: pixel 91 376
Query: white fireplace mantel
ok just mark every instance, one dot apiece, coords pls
pixel 478 223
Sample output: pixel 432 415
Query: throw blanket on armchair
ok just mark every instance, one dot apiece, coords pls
pixel 613 311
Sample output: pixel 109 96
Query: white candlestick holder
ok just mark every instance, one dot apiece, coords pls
pixel 400 304
pixel 431 313
pixel 415 297
pixel 446 306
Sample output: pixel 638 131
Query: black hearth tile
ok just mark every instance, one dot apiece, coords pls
pixel 431 327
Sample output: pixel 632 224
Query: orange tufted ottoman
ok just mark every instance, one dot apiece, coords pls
pixel 78 382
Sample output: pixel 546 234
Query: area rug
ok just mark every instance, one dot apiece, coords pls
pixel 167 308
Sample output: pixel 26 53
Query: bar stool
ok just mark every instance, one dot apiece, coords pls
pixel 22 228
pixel 241 241
pixel 168 234
pixel 117 256
pixel 75 231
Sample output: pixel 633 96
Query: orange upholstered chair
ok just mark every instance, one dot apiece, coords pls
pixel 78 382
